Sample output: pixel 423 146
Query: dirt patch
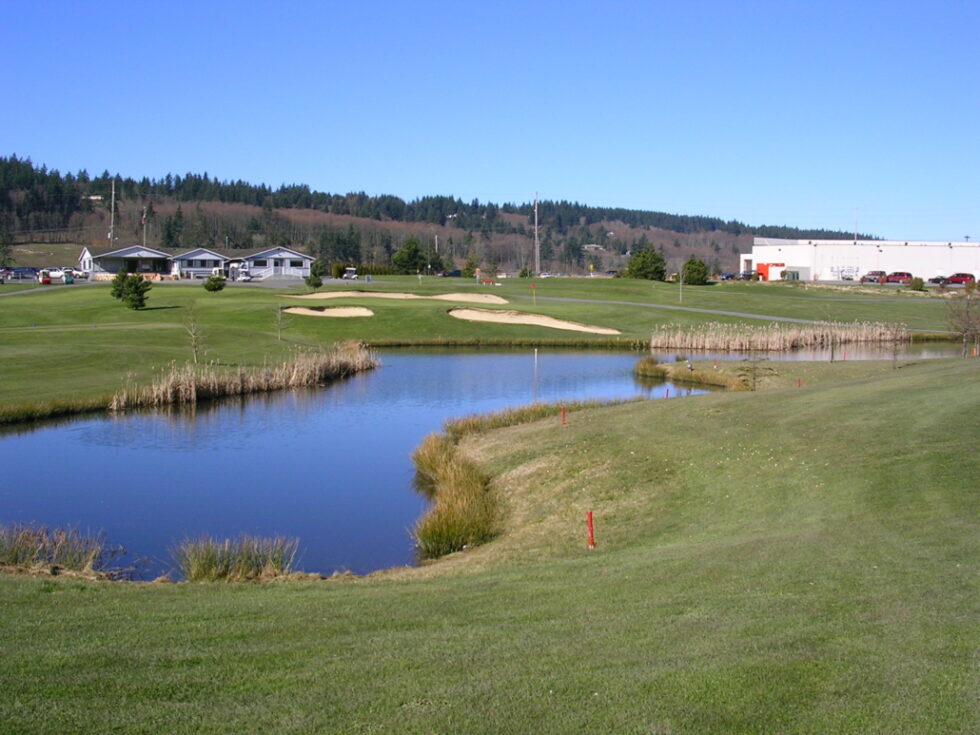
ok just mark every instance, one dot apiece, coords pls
pixel 466 298
pixel 333 311
pixel 519 317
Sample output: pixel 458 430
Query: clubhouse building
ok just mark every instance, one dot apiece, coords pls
pixel 103 263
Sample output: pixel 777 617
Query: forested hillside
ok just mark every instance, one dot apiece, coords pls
pixel 38 204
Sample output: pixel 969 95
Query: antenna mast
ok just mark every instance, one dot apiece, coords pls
pixel 537 244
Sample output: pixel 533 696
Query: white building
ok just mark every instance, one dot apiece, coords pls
pixel 194 263
pixel 834 260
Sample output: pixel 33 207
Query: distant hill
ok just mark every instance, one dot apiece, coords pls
pixel 38 205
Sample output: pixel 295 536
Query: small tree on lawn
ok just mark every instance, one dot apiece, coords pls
pixel 313 281
pixel 134 293
pixel 213 284
pixel 469 268
pixel 118 286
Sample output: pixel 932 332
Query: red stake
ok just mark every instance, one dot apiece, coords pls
pixel 799 382
pixel 588 522
pixel 562 415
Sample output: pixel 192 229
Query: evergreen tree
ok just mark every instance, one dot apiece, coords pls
pixel 410 258
pixel 469 268
pixel 695 272
pixel 117 288
pixel 134 293
pixel 648 264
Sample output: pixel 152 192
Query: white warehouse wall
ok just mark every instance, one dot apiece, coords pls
pixel 829 260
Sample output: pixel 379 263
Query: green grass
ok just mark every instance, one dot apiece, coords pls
pixel 799 560
pixel 68 347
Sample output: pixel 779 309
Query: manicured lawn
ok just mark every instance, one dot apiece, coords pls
pixel 77 343
pixel 801 560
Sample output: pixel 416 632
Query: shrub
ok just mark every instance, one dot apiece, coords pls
pixel 916 284
pixel 213 284
pixel 134 292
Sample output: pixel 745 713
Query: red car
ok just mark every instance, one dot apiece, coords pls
pixel 962 278
pixel 898 277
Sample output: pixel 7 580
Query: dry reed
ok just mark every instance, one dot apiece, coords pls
pixel 34 548
pixel 775 337
pixel 188 384
pixel 245 558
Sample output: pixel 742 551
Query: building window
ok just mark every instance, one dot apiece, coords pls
pixel 296 264
pixel 260 264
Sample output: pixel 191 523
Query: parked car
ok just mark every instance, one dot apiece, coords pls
pixel 56 273
pixel 962 278
pixel 939 280
pixel 745 275
pixel 898 277
pixel 27 272
pixel 727 277
pixel 873 277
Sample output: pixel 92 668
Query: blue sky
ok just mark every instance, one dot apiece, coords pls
pixel 807 114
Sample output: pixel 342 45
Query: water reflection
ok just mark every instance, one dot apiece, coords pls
pixel 330 466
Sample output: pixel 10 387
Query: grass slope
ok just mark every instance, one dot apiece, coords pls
pixel 793 561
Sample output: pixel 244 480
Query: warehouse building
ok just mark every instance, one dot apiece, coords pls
pixel 835 260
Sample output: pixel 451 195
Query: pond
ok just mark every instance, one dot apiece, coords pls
pixel 330 467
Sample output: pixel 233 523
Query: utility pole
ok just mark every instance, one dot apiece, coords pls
pixel 144 227
pixel 537 244
pixel 112 214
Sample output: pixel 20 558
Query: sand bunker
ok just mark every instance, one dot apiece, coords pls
pixel 333 311
pixel 466 298
pixel 518 317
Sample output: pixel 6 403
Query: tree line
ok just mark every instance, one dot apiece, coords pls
pixel 34 198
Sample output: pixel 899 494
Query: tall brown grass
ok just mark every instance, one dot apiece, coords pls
pixel 243 559
pixel 775 337
pixel 188 384
pixel 32 548
pixel 464 510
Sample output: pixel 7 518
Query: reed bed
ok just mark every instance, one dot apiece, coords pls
pixel 464 510
pixel 36 548
pixel 188 384
pixel 775 337
pixel 679 372
pixel 246 558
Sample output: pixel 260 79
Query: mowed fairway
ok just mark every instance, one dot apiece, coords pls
pixel 797 560
pixel 76 343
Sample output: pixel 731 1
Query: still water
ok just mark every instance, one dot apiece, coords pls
pixel 330 467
